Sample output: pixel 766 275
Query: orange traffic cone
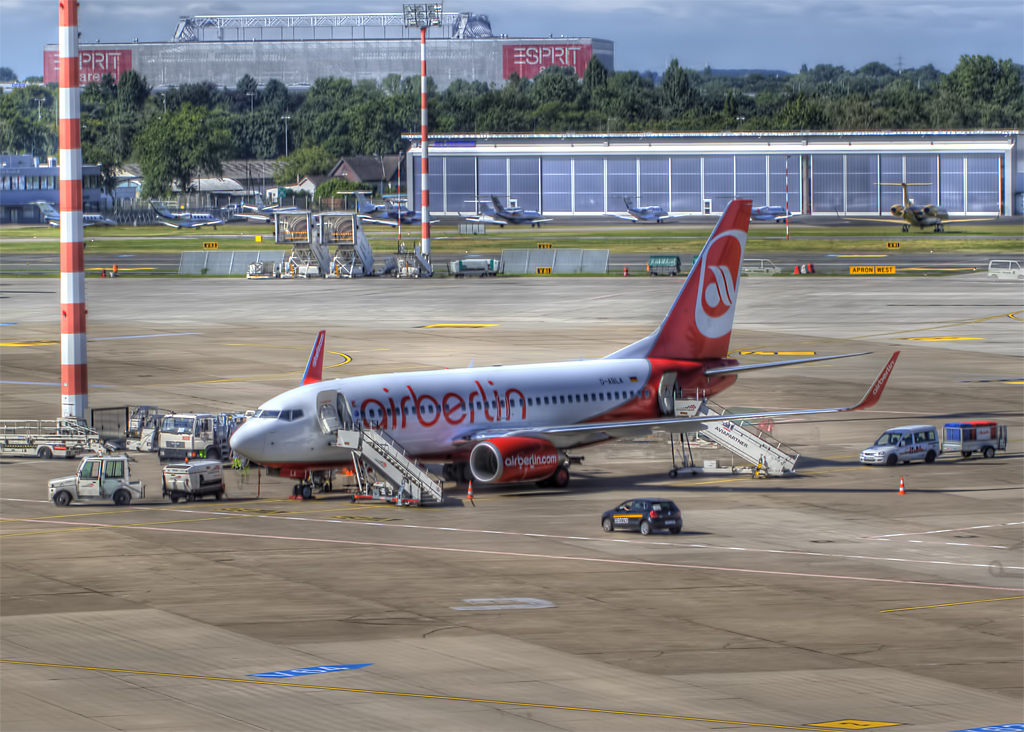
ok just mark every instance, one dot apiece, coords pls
pixel 469 495
pixel 625 271
pixel 902 491
pixel 113 271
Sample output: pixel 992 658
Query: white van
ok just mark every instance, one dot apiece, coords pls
pixel 1005 269
pixel 903 444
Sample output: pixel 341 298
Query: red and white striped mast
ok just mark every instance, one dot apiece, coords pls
pixel 422 16
pixel 74 375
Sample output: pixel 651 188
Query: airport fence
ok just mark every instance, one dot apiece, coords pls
pixel 226 263
pixel 554 261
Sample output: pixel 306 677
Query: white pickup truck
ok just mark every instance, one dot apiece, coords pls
pixel 99 478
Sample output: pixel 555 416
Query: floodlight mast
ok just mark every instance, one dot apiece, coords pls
pixel 423 15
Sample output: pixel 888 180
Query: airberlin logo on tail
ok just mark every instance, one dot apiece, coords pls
pixel 719 280
pixel 530 461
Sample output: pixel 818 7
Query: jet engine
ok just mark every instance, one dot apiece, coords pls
pixel 513 460
pixel 897 210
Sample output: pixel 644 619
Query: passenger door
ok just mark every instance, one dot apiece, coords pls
pixel 113 477
pixel 905 449
pixel 327 411
pixel 624 516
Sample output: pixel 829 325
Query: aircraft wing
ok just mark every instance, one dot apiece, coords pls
pixel 566 436
pixel 678 216
pixel 901 222
pixel 774 364
pixel 624 217
pixel 171 224
pixel 255 217
pixel 483 220
pixel 382 222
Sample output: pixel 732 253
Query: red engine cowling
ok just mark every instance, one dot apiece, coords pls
pixel 513 460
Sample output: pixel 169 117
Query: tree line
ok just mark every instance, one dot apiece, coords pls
pixel 181 133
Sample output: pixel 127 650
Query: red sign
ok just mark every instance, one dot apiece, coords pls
pixel 94 64
pixel 528 60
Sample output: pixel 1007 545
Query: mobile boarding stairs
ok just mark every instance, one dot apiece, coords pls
pixel 767 456
pixel 398 478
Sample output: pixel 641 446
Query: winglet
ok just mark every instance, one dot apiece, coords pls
pixel 315 365
pixel 875 392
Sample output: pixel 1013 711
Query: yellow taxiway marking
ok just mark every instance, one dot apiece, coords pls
pixel 1014 316
pixel 854 724
pixel 950 324
pixel 120 269
pixel 940 269
pixel 945 338
pixel 778 353
pixel 119 526
pixel 410 695
pixel 951 604
pixel 29 344
pixel 461 325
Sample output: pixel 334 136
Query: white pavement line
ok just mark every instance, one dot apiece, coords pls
pixel 578 538
pixel 524 555
pixel 944 531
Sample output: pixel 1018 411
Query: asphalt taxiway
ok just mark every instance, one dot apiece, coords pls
pixel 822 601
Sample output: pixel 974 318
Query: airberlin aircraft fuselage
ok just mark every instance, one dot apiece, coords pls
pixel 439 414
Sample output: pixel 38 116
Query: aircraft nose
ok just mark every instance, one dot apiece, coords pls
pixel 249 440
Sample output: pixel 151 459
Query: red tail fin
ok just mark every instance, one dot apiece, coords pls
pixel 700 322
pixel 315 365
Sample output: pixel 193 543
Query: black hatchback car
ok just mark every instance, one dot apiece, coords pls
pixel 644 515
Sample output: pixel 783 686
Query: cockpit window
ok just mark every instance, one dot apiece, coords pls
pixel 290 415
pixel 267 414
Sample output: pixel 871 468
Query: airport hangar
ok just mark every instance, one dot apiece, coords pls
pixel 968 172
pixel 299 49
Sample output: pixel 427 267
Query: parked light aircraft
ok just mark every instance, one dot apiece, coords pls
pixel 260 212
pixel 387 213
pixel 644 213
pixel 771 213
pixel 912 214
pixel 515 423
pixel 496 213
pixel 185 220
pixel 52 216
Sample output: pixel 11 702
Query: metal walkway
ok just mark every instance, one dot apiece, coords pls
pixel 748 441
pixel 409 482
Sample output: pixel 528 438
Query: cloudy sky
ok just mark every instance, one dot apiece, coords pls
pixel 769 34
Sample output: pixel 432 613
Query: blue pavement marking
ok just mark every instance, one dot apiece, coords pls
pixel 311 670
pixel 4 325
pixel 996 728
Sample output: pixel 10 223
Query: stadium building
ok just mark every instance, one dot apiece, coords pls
pixel 975 172
pixel 299 49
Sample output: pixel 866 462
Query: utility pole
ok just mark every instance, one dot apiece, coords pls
pixel 286 118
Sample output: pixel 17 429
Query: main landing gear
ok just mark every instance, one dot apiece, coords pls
pixel 559 480
pixel 318 481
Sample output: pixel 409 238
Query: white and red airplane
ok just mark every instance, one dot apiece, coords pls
pixel 505 424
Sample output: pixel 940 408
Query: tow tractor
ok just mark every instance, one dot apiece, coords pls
pixel 99 478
